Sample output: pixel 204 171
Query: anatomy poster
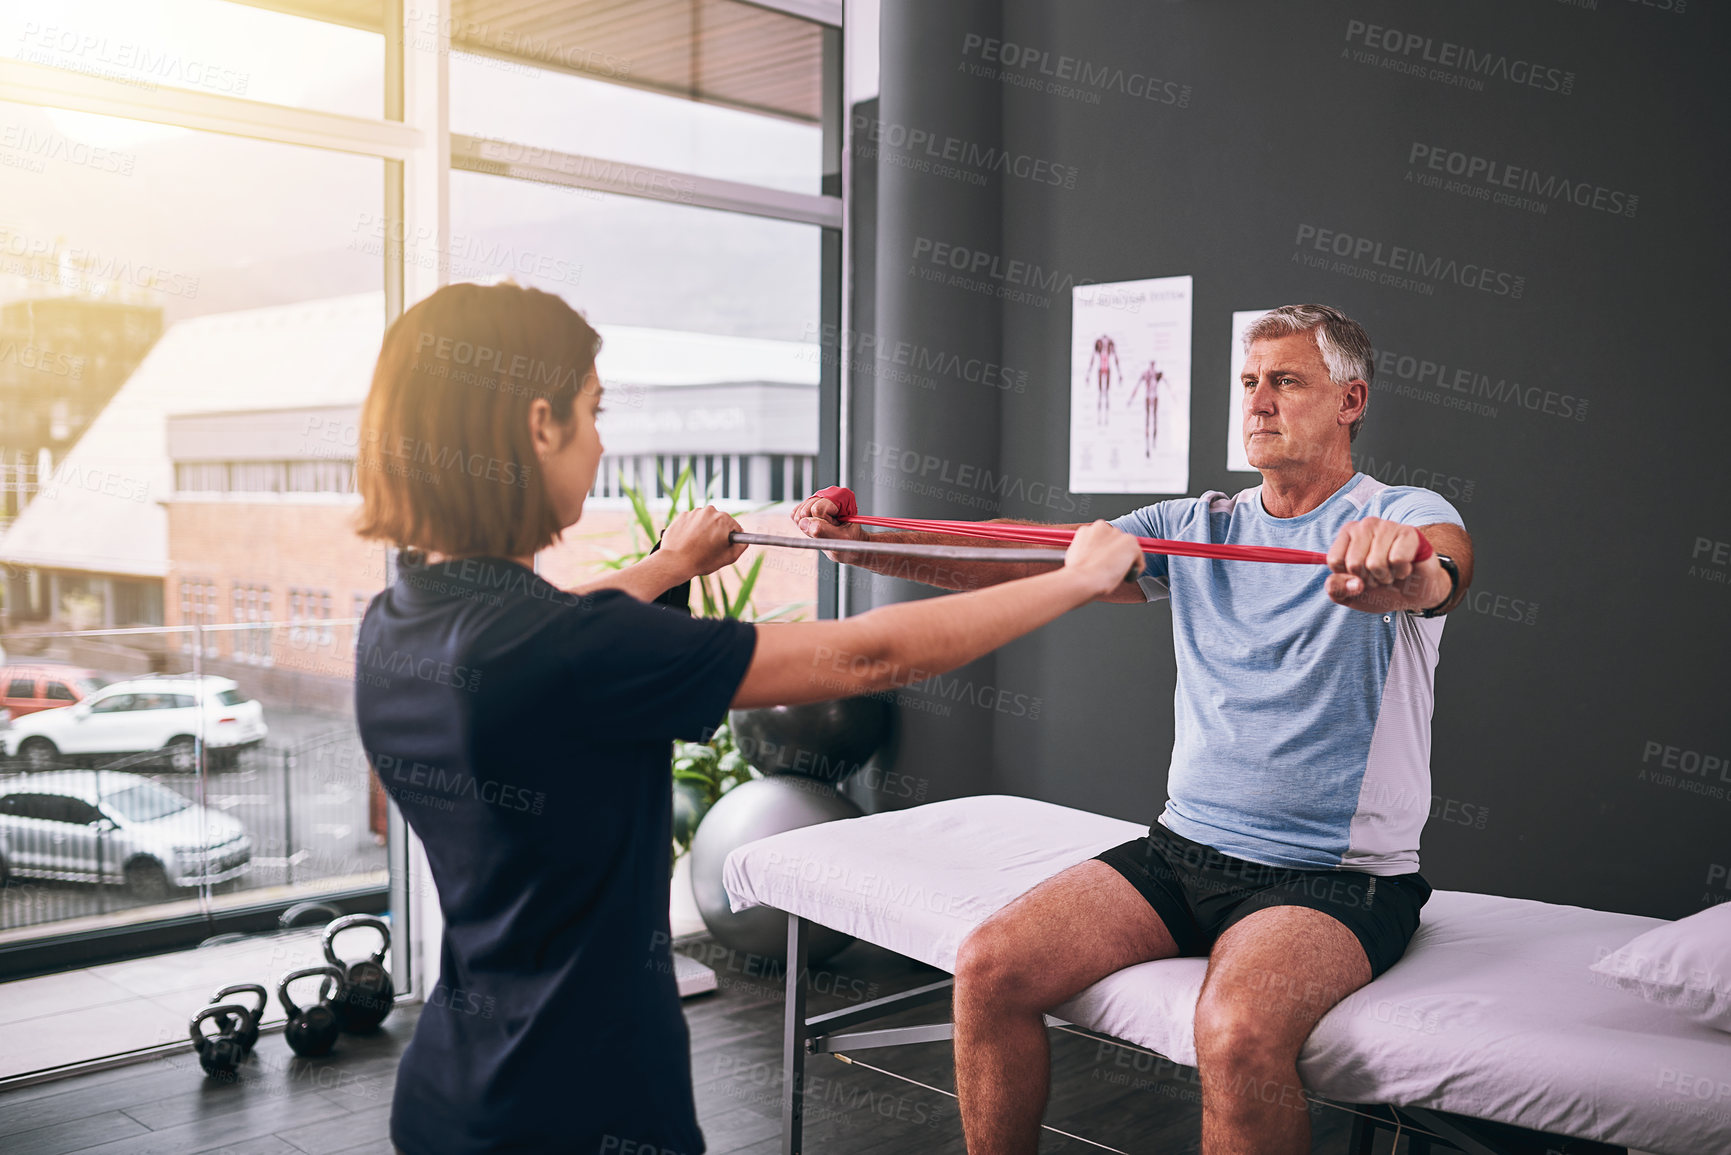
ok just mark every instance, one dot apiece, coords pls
pixel 1130 387
pixel 1235 458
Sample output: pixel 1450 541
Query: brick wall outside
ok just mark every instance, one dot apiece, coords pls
pixel 312 545
pixel 279 546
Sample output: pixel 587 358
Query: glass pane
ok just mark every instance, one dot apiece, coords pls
pixel 254 792
pixel 202 45
pixel 510 101
pixel 186 310
pixel 707 321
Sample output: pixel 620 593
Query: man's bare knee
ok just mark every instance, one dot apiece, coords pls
pixel 989 965
pixel 1233 1035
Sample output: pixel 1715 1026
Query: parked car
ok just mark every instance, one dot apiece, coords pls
pixel 27 689
pixel 115 826
pixel 161 714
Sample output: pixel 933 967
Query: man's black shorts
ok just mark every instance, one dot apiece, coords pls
pixel 1198 892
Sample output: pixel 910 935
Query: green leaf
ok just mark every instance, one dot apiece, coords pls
pixel 745 587
pixel 641 510
pixel 683 486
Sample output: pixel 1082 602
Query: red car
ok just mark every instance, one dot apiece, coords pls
pixel 27 689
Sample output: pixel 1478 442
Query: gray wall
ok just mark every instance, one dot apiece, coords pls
pixel 1583 730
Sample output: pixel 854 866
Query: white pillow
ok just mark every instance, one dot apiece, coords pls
pixel 1683 965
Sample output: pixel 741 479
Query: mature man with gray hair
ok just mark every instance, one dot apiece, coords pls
pixel 1287 852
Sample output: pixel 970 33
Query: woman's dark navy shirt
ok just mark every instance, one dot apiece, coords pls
pixel 524 732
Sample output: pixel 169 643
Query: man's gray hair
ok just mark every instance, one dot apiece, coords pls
pixel 1343 343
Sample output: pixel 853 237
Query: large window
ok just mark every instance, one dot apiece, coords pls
pixel 212 209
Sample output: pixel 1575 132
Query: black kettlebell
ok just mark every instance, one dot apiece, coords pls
pixel 368 993
pixel 247 1028
pixel 313 1031
pixel 220 1054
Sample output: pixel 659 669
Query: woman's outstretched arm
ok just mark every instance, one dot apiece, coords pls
pixel 896 645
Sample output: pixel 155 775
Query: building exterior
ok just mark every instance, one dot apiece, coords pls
pixel 287 476
pixel 91 547
pixel 217 487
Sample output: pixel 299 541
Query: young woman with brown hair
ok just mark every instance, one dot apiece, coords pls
pixel 524 730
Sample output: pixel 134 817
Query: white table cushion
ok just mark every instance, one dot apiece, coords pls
pixel 1493 1013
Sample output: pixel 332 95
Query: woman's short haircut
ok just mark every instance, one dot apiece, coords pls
pixel 1343 343
pixel 444 461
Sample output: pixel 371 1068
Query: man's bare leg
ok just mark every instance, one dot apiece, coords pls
pixel 1271 978
pixel 1061 937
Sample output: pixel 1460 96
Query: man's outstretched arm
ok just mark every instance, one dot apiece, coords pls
pixel 1374 571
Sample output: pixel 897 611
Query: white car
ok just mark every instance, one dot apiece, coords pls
pixel 161 715
pixel 111 826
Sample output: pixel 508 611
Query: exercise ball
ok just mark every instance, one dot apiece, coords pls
pixel 825 741
pixel 750 811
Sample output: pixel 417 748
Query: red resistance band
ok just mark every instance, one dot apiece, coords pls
pixel 1040 535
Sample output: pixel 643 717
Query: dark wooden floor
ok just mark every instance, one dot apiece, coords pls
pixel 342 1104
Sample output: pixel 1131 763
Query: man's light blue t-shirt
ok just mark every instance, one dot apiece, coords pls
pixel 1302 727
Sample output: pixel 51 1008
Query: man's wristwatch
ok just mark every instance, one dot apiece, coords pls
pixel 1454 572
